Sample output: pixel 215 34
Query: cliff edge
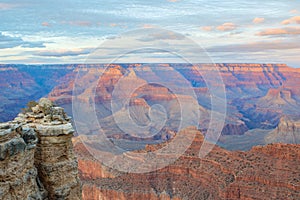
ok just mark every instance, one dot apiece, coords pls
pixel 36 155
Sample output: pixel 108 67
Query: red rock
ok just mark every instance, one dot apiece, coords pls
pixel 269 172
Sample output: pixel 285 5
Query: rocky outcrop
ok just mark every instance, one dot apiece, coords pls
pixel 234 129
pixel 277 97
pixel 269 90
pixel 258 94
pixel 264 172
pixel 18 174
pixel 37 159
pixel 287 131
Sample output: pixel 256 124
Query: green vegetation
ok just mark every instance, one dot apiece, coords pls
pixel 29 107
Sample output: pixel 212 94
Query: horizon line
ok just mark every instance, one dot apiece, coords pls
pixel 105 63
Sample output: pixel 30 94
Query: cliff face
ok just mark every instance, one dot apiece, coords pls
pixel 27 83
pixel 287 131
pixel 269 172
pixel 257 94
pixel 37 160
pixel 250 88
pixel 18 175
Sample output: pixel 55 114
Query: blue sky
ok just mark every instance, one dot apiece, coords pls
pixel 67 31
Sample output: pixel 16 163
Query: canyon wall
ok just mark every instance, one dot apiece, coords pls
pixel 36 155
pixel 287 131
pixel 258 94
pixel 20 84
pixel 19 176
pixel 264 172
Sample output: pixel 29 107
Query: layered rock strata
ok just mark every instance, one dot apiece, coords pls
pixel 264 172
pixel 287 131
pixel 36 155
pixel 18 174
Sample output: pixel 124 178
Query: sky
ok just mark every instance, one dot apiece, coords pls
pixel 69 31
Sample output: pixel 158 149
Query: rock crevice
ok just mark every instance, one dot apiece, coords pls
pixel 36 155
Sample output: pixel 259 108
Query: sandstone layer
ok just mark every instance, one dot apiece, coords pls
pixel 258 95
pixel 252 90
pixel 264 172
pixel 19 176
pixel 37 159
pixel 287 131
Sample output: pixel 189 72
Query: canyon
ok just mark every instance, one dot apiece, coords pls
pixel 258 95
pixel 257 155
pixel 21 83
pixel 37 162
pixel 270 172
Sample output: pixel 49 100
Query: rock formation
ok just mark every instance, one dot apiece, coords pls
pixel 287 131
pixel 36 155
pixel 252 89
pixel 269 172
pixel 233 129
pixel 18 175
pixel 257 94
pixel 27 83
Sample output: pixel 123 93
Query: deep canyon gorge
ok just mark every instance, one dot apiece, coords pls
pixel 257 155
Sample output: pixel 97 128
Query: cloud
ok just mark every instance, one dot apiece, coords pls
pixel 161 36
pixel 173 1
pixel 293 20
pixel 33 44
pixel 64 52
pixel 207 28
pixel 227 27
pixel 148 26
pixel 258 20
pixel 46 24
pixel 280 31
pixel 7 41
pixel 223 27
pixel 7 6
pixel 78 23
pixel 260 46
pixel 113 25
pixel 111 37
pixel 294 11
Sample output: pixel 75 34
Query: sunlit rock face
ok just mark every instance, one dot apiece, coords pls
pixel 36 148
pixel 287 131
pixel 256 174
pixel 37 159
pixel 258 95
pixel 251 89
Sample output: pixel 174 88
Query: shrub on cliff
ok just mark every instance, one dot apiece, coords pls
pixel 29 107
